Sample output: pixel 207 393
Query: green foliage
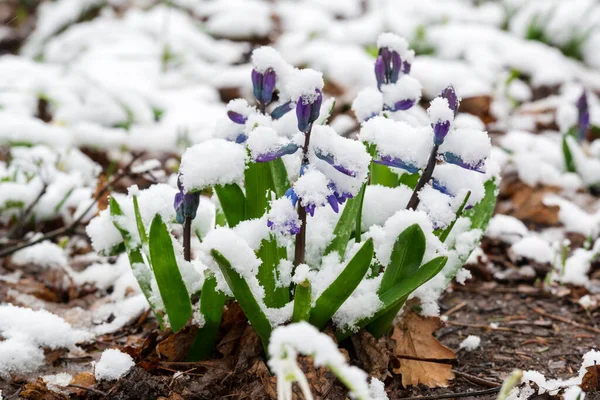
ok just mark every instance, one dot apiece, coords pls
pixel 168 278
pixel 233 203
pixel 346 226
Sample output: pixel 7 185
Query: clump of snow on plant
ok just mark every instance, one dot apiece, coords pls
pixel 113 365
pixel 302 338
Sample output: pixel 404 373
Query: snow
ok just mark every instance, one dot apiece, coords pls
pixel 45 255
pixel 506 228
pixel 406 88
pixel 470 343
pixel 393 42
pixel 214 162
pixel 303 83
pixel 532 248
pixel 439 110
pixel 266 57
pixel 113 365
pixel 368 102
pixel 312 188
pixel 472 145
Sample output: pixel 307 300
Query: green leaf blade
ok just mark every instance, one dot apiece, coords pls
pixel 170 284
pixel 233 202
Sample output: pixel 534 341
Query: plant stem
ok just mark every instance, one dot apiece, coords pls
pixel 427 173
pixel 299 251
pixel 187 239
pixel 262 106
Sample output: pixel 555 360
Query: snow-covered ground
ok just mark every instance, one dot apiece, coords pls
pixel 156 77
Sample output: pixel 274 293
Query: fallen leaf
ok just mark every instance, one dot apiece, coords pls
pixel 175 347
pixel 102 201
pixel 414 338
pixel 591 379
pixel 527 202
pixel 85 379
pixel 479 106
pixel 38 391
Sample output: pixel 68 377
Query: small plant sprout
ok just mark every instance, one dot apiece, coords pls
pixel 305 225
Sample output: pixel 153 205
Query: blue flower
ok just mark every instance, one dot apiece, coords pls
pixel 307 111
pixel 440 130
pixel 289 148
pixel 388 66
pixel 450 94
pixel 237 117
pixel 263 85
pixel 185 204
pixel 328 158
pixel 401 105
pixel 457 160
pixel 281 110
pixel 583 117
pixel 397 163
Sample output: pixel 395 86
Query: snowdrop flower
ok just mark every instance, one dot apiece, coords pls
pixel 307 110
pixel 186 204
pixel 263 85
pixel 583 118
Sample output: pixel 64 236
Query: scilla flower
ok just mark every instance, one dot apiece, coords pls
pixel 583 115
pixel 308 109
pixel 441 117
pixel 263 85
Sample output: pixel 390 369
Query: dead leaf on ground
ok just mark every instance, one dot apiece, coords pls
pixel 527 202
pixel 102 201
pixel 591 379
pixel 85 379
pixel 38 391
pixel 176 346
pixel 479 106
pixel 414 338
pixel 373 354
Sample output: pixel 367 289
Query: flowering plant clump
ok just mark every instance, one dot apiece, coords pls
pixel 305 225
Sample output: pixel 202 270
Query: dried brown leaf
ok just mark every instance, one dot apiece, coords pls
pixel 38 391
pixel 176 347
pixel 591 379
pixel 373 354
pixel 85 379
pixel 414 338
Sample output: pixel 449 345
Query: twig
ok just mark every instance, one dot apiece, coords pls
pixel 565 320
pixel 427 173
pixel 16 232
pixel 95 391
pixel 476 379
pixel 455 308
pixel 71 227
pixel 454 395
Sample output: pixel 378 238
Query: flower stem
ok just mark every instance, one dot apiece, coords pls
pixel 300 249
pixel 413 203
pixel 187 239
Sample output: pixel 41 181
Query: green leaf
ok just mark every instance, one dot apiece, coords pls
pixel 244 297
pixel 569 161
pixel 279 174
pixel 481 213
pixel 342 287
pixel 271 255
pixel 383 175
pixel 443 234
pixel 409 180
pixel 302 302
pixel 407 256
pixel 358 225
pixel 232 202
pixel 345 226
pixel 211 308
pixel 399 292
pixel 258 182
pixel 138 221
pixel 171 286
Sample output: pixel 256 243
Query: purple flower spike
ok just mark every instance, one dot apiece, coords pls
pixel 440 130
pixel 289 148
pixel 330 160
pixel 583 119
pixel 257 83
pixel 457 160
pixel 379 72
pixel 450 94
pixel 396 67
pixel 237 117
pixel 397 163
pixel 281 110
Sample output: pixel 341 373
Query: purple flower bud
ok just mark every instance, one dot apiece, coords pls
pixel 310 208
pixel 440 130
pixel 241 138
pixel 583 118
pixel 289 148
pixel 281 110
pixel 396 66
pixel 330 160
pixel 332 200
pixel 379 72
pixel 237 117
pixel 450 94
pixel 308 112
pixel 406 67
pixel 263 85
pixel 291 194
pixel 457 160
pixel 397 163
pixel 185 204
pixel 401 105
pixel 386 55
